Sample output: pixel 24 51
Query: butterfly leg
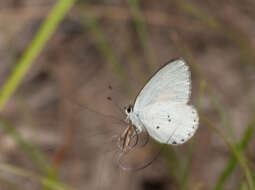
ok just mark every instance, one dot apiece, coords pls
pixel 125 139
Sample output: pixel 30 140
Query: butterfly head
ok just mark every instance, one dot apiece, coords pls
pixel 129 109
pixel 133 117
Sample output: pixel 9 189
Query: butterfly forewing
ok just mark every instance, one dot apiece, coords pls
pixel 171 83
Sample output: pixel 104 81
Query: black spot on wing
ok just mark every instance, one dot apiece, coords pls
pixel 168 118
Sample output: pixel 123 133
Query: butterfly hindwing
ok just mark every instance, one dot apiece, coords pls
pixel 170 123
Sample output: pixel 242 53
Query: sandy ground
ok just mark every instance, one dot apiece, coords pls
pixel 62 107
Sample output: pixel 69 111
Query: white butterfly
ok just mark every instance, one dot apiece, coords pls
pixel 161 107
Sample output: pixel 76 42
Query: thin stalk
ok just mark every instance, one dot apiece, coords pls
pixel 35 47
pixel 142 33
pixel 28 174
pixel 237 37
pixel 238 155
pixel 230 166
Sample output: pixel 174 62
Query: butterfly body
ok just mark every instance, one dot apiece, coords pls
pixel 161 107
pixel 134 117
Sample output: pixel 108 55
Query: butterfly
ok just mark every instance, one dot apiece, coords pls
pixel 161 108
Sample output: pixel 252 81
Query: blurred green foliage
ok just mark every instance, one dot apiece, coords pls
pixel 180 167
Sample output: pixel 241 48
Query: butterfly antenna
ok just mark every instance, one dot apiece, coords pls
pixel 99 113
pixel 116 105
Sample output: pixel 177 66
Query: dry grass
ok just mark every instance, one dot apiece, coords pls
pixel 59 129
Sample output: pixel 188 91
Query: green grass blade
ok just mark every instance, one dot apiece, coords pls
pixel 236 152
pixel 35 47
pixel 36 156
pixel 173 162
pixel 103 45
pixel 243 186
pixel 237 37
pixel 142 33
pixel 249 132
pixel 223 114
pixel 28 174
pixel 185 177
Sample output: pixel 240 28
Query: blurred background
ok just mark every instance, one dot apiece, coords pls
pixel 66 67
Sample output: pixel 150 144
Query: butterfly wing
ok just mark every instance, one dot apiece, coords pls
pixel 170 123
pixel 170 83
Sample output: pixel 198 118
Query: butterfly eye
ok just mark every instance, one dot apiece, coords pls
pixel 129 109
